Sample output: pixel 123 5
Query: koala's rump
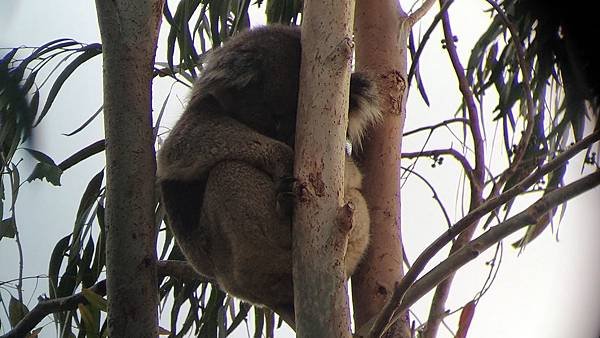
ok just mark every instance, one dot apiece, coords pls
pixel 250 241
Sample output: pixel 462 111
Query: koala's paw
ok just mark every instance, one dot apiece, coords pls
pixel 285 196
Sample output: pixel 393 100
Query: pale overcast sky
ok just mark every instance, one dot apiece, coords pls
pixel 551 290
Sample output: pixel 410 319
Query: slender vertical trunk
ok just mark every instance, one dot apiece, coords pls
pixel 129 31
pixel 381 39
pixel 320 288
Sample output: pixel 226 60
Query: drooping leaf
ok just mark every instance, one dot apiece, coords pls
pixel 210 315
pixel 7 228
pixel 41 171
pixel 55 263
pixel 86 123
pixel 91 327
pixel 15 182
pixel 85 153
pixel 100 255
pixel 95 299
pixel 88 52
pixel 16 311
pixel 45 168
pixel 240 317
pixel 466 316
pixel 89 197
pixel 86 274
pixel 259 322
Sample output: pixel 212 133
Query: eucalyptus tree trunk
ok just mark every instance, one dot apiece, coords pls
pixel 320 289
pixel 381 36
pixel 129 32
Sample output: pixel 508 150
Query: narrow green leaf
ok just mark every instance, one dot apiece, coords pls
pixel 172 35
pixel 211 312
pixel 16 311
pixel 85 153
pixel 91 328
pixel 34 103
pixel 95 299
pixel 88 53
pixel 100 254
pixel 15 182
pixel 41 157
pixel 46 171
pixel 29 82
pixel 86 123
pixel 45 49
pixel 7 59
pixel 89 197
pixel 259 321
pixel 160 114
pixel 7 228
pixel 240 317
pixel 55 263
pixel 86 273
pixel 68 280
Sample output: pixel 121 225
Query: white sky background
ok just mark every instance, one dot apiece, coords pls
pixel 550 290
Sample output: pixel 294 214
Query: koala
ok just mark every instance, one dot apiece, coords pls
pixel 223 166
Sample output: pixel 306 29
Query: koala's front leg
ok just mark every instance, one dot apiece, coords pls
pixel 202 139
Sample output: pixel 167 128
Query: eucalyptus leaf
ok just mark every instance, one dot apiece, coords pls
pixel 50 173
pixel 7 228
pixel 16 311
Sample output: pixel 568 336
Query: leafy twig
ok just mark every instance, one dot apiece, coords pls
pixel 45 306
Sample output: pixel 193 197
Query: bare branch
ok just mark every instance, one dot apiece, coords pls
pixel 439 152
pixel 420 12
pixel 47 306
pixel 435 126
pixel 421 262
pixel 467 93
pixel 496 234
pixel 437 200
pixel 476 179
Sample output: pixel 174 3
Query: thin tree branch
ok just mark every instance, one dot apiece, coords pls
pixel 420 12
pixel 416 57
pixel 476 179
pixel 15 188
pixel 421 262
pixel 47 306
pixel 435 126
pixel 178 269
pixel 437 200
pixel 467 93
pixel 439 152
pixel 496 234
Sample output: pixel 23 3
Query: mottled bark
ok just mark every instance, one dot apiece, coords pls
pixel 129 31
pixel 381 50
pixel 320 288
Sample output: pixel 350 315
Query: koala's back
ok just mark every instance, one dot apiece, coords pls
pixel 255 77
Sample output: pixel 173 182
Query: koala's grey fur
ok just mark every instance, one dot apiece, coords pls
pixel 222 167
